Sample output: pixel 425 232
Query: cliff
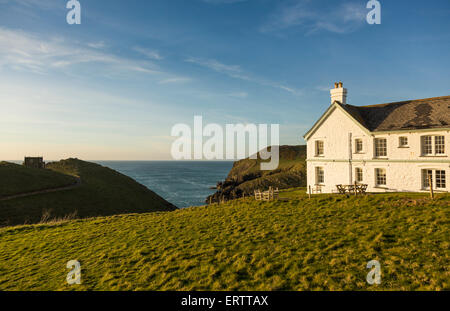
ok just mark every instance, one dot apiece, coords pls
pixel 247 176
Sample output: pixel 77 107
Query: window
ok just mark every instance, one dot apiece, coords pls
pixel 427 145
pixel 380 174
pixel 320 175
pixel 359 174
pixel 380 147
pixel 429 148
pixel 319 148
pixel 439 144
pixel 440 180
pixel 426 176
pixel 403 142
pixel 358 145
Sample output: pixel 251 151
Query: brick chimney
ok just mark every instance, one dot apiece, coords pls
pixel 339 93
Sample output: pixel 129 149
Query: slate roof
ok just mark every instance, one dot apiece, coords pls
pixel 407 115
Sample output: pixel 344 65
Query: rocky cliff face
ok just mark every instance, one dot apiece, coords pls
pixel 246 175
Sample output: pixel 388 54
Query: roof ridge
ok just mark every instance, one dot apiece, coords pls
pixel 407 101
pixel 431 113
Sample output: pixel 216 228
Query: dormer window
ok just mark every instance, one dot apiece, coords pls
pixel 403 142
pixel 380 147
pixel 319 148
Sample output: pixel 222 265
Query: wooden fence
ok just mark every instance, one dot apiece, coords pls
pixel 269 195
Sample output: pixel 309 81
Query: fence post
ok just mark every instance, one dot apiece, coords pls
pixel 356 191
pixel 309 192
pixel 430 182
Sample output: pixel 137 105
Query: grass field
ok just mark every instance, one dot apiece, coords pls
pixel 17 179
pixel 318 244
pixel 103 192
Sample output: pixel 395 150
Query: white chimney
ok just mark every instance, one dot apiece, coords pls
pixel 339 93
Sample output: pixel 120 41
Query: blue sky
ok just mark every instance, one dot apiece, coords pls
pixel 113 87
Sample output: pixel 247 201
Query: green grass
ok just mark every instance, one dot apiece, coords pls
pixel 17 179
pixel 318 244
pixel 103 192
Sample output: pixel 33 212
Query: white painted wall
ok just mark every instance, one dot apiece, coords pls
pixel 403 165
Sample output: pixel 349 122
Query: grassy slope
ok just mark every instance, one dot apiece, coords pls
pixel 291 157
pixel 322 243
pixel 103 192
pixel 17 179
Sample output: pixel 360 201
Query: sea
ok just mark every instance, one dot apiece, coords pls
pixel 182 183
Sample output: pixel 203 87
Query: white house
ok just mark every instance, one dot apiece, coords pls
pixel 389 147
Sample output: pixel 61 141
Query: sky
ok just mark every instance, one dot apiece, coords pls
pixel 113 87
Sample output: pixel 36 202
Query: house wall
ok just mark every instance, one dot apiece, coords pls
pixel 399 176
pixel 403 165
pixel 413 151
pixel 335 133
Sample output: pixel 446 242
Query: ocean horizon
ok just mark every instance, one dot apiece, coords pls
pixel 182 183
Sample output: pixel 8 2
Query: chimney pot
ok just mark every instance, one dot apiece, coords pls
pixel 341 85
